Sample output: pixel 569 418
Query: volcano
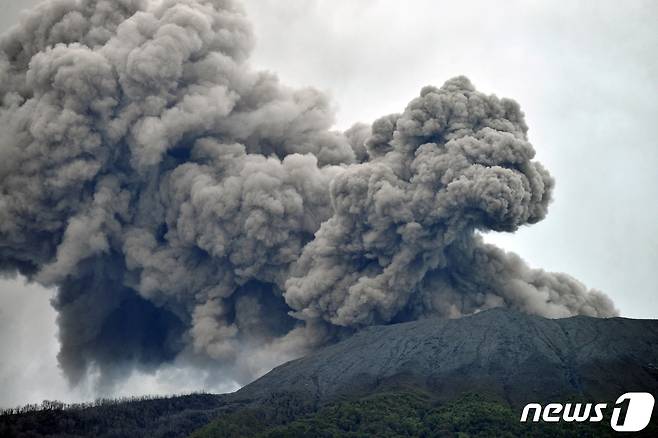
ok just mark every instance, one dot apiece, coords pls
pixel 500 352
pixel 431 377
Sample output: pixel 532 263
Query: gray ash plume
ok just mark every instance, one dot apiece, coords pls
pixel 185 205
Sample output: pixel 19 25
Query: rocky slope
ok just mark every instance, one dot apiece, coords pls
pixel 503 353
pixel 468 375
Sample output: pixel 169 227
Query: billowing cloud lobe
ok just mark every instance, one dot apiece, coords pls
pixel 185 205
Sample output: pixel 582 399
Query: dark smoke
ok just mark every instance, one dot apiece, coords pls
pixel 186 205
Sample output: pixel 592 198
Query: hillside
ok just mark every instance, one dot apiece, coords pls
pixel 403 413
pixel 501 353
pixel 155 418
pixel 433 377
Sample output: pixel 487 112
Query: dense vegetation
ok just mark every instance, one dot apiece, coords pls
pixel 402 414
pixel 146 417
pixel 395 413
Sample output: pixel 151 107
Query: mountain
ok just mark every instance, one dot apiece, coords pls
pixel 502 353
pixel 432 377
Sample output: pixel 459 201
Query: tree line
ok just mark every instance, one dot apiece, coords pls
pixel 56 405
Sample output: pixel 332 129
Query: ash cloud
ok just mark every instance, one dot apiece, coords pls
pixel 187 206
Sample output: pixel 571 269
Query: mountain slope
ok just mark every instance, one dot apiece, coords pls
pixel 503 353
pixel 408 413
pixel 155 418
pixel 434 377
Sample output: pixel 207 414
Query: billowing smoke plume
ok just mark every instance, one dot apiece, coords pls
pixel 186 205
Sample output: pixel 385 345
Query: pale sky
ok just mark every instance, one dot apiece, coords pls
pixel 585 73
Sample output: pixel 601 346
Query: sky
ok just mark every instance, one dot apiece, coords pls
pixel 585 74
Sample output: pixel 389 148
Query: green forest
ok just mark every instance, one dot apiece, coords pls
pixel 404 412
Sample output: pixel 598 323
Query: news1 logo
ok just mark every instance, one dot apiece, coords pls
pixel 631 412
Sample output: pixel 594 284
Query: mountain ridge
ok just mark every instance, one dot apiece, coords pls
pixel 512 355
pixel 431 377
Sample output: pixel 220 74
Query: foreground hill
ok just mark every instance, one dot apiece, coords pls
pixel 403 413
pixel 163 417
pixel 434 377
